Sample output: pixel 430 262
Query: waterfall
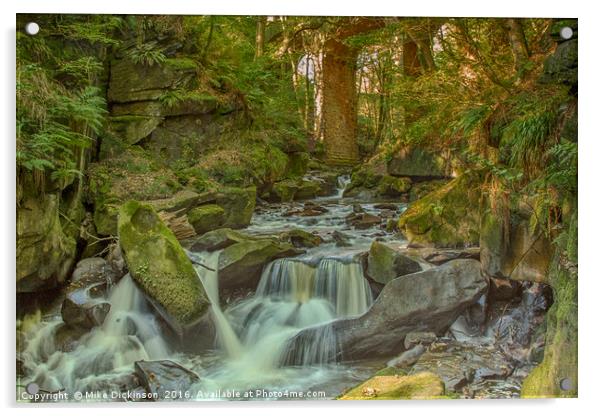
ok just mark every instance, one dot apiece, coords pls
pixel 344 286
pixel 226 337
pixel 129 333
pixel 342 182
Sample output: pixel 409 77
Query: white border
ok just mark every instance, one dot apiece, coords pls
pixel 590 155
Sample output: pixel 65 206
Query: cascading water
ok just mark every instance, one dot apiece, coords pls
pixel 342 182
pixel 292 295
pixel 104 355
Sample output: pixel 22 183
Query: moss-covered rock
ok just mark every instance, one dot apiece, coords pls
pixel 284 191
pixel 240 264
pixel 137 82
pixel 206 218
pixel 392 186
pixel 421 386
pixel 386 263
pixel 297 164
pixel 159 266
pixel 217 240
pixel 307 190
pixel 238 205
pixel 417 163
pixel 447 217
pixel 132 128
pixel 45 253
pixel 561 350
pixel 301 238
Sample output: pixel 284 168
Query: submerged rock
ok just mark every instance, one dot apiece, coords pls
pixel 363 220
pixel 386 263
pixel 161 377
pixel 160 267
pixel 430 300
pixel 422 386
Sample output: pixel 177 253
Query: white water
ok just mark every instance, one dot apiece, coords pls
pixel 104 355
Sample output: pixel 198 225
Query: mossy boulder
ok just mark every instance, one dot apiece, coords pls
pixel 301 238
pixel 45 253
pixel 297 164
pixel 517 253
pixel 160 267
pixel 238 205
pixel 284 191
pixel 206 218
pixel 240 264
pixel 386 263
pixel 307 190
pixel 447 217
pixel 217 240
pixel 421 386
pixel 417 163
pixel 392 186
pixel 183 200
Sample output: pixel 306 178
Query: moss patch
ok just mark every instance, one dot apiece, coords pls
pixel 421 386
pixel 206 218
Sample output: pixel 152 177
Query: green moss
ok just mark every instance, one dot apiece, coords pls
pixel 206 218
pixel 160 266
pixel 392 186
pixel 284 191
pixel 447 217
pixel 560 354
pixel 238 204
pixel 418 386
pixel 181 64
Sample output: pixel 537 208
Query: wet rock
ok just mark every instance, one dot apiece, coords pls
pixel 309 209
pixel 116 261
pixel 417 163
pixel 160 267
pixel 341 239
pixel 420 386
pixel 363 221
pixel 83 306
pixel 437 295
pixel 84 313
pixel 66 338
pixel 206 218
pixel 357 209
pixel 503 289
pixel 407 358
pixel 160 377
pixel 240 264
pixel 217 240
pixel 419 338
pixel 386 263
pixel 301 239
pixel 386 206
pixel 393 187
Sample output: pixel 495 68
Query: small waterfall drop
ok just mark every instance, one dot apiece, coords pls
pixel 129 333
pixel 342 182
pixel 226 337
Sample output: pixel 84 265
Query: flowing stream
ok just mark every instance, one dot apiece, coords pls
pixel 252 334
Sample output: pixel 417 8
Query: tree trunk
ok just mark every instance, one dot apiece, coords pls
pixel 411 64
pixel 339 104
pixel 518 43
pixel 260 36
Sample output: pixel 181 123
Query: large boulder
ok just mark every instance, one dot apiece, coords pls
pixel 238 204
pixel 160 267
pixel 418 163
pixel 422 386
pixel 447 217
pixel 386 263
pixel 206 218
pixel 217 240
pixel 518 253
pixel 240 264
pixel 430 300
pixel 45 253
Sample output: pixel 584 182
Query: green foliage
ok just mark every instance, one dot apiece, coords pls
pixel 147 54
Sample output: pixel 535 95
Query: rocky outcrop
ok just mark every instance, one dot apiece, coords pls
pixel 418 164
pixel 386 263
pixel 430 300
pixel 160 267
pixel 45 253
pixel 238 205
pixel 422 386
pixel 370 182
pixel 295 189
pixel 447 217
pixel 206 218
